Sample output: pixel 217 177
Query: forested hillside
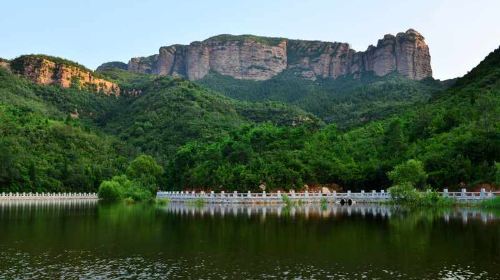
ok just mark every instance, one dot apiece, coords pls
pixel 456 135
pixel 345 101
pixel 43 149
pixel 69 139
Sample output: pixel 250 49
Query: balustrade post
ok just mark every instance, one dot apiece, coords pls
pixel 463 192
pixel 483 193
pixel 445 192
pixel 249 194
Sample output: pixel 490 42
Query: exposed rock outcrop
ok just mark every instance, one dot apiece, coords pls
pixel 47 70
pixel 261 58
pixel 4 63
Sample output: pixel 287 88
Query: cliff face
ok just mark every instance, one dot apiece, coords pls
pixel 43 70
pixel 4 64
pixel 261 58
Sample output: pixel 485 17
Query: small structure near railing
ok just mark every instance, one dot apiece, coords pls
pixel 47 196
pixel 306 197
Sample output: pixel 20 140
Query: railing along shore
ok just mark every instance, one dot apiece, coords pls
pixel 308 197
pixel 47 196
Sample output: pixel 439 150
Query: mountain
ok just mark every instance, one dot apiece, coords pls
pixel 169 112
pixel 70 137
pixel 47 146
pixel 48 70
pixel 257 58
pixel 456 134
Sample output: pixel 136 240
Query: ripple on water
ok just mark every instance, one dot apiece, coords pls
pixel 84 265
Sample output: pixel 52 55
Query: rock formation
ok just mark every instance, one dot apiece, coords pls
pixel 47 70
pixel 4 64
pixel 261 58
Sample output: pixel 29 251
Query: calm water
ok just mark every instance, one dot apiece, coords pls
pixel 89 240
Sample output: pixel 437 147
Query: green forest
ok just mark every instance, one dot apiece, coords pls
pixel 226 134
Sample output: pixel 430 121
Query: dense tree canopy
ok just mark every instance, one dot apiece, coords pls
pixel 54 139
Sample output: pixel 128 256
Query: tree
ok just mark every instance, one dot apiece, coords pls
pixel 410 172
pixel 394 138
pixel 146 171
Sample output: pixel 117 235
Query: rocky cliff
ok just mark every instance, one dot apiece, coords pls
pixel 48 70
pixel 261 58
pixel 5 63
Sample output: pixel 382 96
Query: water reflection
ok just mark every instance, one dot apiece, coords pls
pixel 331 211
pixel 88 240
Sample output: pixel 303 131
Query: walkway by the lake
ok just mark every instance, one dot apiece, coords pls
pixel 307 197
pixel 47 196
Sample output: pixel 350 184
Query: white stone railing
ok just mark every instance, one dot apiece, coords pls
pixel 277 197
pixel 46 196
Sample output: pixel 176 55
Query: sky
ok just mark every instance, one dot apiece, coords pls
pixel 460 33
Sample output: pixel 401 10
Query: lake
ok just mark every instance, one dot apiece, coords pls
pixel 89 240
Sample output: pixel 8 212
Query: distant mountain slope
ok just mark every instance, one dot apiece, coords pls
pixel 344 101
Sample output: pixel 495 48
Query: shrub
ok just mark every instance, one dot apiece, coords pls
pixel 109 191
pixel 410 172
pixel 121 187
pixel 146 171
pixel 403 193
pixel 491 203
pixel 286 200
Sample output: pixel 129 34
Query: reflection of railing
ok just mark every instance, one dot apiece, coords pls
pixel 278 197
pixel 315 210
pixel 46 196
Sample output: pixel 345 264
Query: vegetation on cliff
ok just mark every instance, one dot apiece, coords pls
pixel 55 139
pixel 344 101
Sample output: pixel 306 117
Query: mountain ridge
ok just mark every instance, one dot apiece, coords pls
pixel 253 57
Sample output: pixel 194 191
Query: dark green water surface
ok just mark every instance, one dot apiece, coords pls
pixel 87 240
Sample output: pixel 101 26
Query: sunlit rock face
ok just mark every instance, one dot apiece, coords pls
pixel 261 58
pixel 44 71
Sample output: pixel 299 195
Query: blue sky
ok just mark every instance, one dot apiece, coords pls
pixel 460 33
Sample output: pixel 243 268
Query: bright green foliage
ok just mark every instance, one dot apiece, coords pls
pixel 110 191
pixel 145 170
pixel 42 149
pixel 455 136
pixel 139 184
pixel 406 194
pixel 493 203
pixel 171 112
pixel 410 172
pixel 206 140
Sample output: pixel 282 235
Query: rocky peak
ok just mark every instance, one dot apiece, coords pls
pixel 261 58
pixel 47 70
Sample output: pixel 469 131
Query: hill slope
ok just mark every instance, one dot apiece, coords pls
pixel 43 149
pixel 345 101
pixel 456 134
